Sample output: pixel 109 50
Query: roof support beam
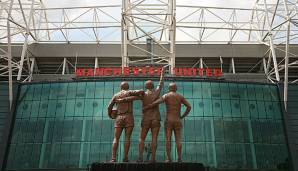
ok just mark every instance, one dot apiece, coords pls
pixel 9 56
pixel 32 69
pixel 286 56
pixel 25 45
pixel 232 66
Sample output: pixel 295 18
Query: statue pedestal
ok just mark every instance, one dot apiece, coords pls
pixel 133 166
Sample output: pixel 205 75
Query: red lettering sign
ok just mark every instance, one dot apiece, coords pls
pixel 99 72
pixel 178 71
pixel 144 71
pixel 108 71
pixel 80 72
pixel 209 72
pixel 217 72
pixel 201 72
pixel 117 71
pixel 126 71
pixel 147 71
pixel 151 71
pixel 159 71
pixel 136 71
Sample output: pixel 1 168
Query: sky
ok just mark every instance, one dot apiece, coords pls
pixel 107 15
pixel 222 3
pixel 181 12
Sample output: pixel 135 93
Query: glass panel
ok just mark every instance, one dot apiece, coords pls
pixel 54 90
pixel 79 107
pixel 99 107
pixel 235 108
pixel 199 129
pixel 216 108
pixel 138 85
pixel 267 92
pixel 23 92
pixel 234 94
pixel 180 88
pixel 189 130
pixel 261 109
pixel 197 90
pixel 253 108
pixel 219 130
pixel 197 107
pixel 206 90
pixel 259 92
pixel 37 91
pixel 90 89
pixel 226 108
pixel 19 109
pixel 89 107
pixel 99 90
pixel 274 93
pixel 72 90
pixel 242 91
pixel 81 90
pixel 215 91
pixel 109 89
pixel 60 108
pixel 43 108
pixel 207 107
pixel 62 92
pixel 29 92
pixel 187 89
pixel 65 125
pixel 46 88
pixel 51 112
pixel 251 91
pixel 225 91
pixel 27 109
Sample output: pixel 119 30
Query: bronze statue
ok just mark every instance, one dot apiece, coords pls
pixel 123 116
pixel 172 123
pixel 150 117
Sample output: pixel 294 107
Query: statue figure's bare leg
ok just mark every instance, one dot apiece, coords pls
pixel 128 132
pixel 154 132
pixel 117 135
pixel 177 132
pixel 168 144
pixel 143 134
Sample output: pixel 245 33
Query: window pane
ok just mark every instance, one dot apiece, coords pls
pixel 81 90
pixel 60 125
pixel 197 90
pixel 225 91
pixel 72 90
pixel 216 108
pixel 90 89
pixel 206 88
pixel 187 89
pixel 215 91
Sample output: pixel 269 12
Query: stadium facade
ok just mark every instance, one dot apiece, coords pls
pixel 54 89
pixel 61 121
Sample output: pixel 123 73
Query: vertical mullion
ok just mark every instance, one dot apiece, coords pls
pixel 252 145
pixel 43 146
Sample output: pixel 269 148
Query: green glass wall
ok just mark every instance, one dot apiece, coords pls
pixel 65 125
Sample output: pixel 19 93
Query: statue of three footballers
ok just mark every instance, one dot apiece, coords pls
pixel 123 115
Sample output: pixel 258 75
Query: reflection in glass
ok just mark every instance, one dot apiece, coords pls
pixel 231 125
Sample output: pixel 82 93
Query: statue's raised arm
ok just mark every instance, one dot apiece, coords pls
pixel 161 81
